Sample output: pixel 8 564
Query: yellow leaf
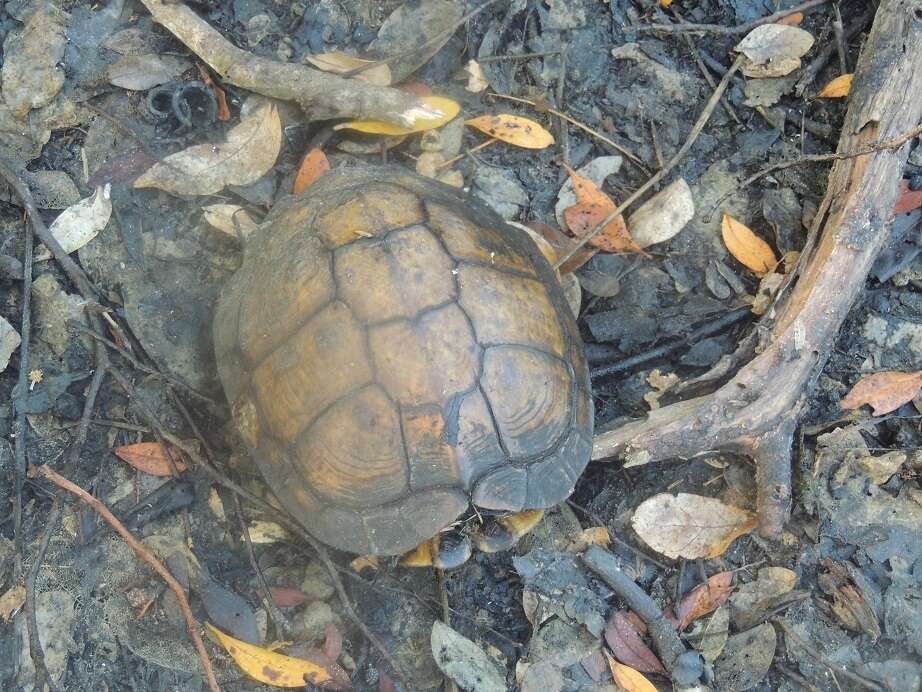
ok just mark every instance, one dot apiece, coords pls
pixel 665 3
pixel 432 112
pixel 746 246
pixel 338 62
pixel 628 679
pixel 513 129
pixel 837 88
pixel 271 668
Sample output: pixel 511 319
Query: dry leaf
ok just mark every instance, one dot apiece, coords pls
pixel 150 458
pixel 432 112
pixel 748 248
pixel 704 598
pixel 513 129
pixel 476 80
pixel 414 32
pixel 266 532
pixel 663 215
pixel 625 677
pixel 142 72
pixel 314 165
pixel 690 526
pixel 366 563
pixel 286 597
pixel 12 601
pixel 624 640
pixel 562 244
pixel 231 219
pixel 907 199
pixel 773 50
pixel 81 222
pixel 338 62
pixel 223 110
pixel 884 391
pixel 248 153
pixel 837 88
pixel 332 641
pixel 792 19
pixel 849 603
pixel 465 662
pixel 665 3
pixel 278 670
pixel 592 207
pixel 765 295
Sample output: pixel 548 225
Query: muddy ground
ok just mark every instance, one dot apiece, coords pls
pixel 837 604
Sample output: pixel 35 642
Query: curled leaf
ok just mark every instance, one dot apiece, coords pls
pixel 884 391
pixel 704 598
pixel 837 88
pixel 81 222
pixel 690 526
pixel 513 129
pixel 278 670
pixel 748 248
pixel 149 457
pixel 432 112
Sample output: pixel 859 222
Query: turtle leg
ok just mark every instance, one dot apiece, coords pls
pixel 502 533
pixel 446 550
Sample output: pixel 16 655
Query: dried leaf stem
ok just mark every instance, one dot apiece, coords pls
pixel 145 555
pixel 739 28
pixel 659 175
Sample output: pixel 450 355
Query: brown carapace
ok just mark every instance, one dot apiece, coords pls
pixel 393 352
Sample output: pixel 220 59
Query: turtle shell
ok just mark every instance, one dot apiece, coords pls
pixel 393 351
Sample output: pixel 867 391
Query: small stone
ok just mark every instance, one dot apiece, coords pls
pixel 316 584
pixel 9 342
pixel 501 190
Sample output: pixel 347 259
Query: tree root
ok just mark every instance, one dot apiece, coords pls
pixel 321 95
pixel 757 411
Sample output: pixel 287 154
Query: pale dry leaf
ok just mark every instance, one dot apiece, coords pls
pixel 884 391
pixel 142 72
pixel 338 62
pixel 262 532
pixel 774 50
pixel 768 288
pixel 881 468
pixel 663 215
pixel 465 662
pixel 476 80
pixel 248 153
pixel 690 526
pixel 81 222
pixel 426 26
pixel 231 219
pixel 748 248
pixel 838 88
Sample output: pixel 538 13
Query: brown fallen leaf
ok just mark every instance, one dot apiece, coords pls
pixel 628 679
pixel 624 640
pixel 513 129
pixel 591 208
pixel 837 88
pixel 286 597
pixel 690 526
pixel 792 19
pixel 314 165
pixel 907 199
pixel 884 391
pixel 562 244
pixel 338 62
pixel 149 457
pixel 748 248
pixel 704 598
pixel 223 111
pixel 278 670
pixel 848 601
pixel 249 151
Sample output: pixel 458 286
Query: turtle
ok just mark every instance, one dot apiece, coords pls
pixel 395 356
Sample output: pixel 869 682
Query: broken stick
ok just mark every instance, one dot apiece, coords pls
pixel 756 412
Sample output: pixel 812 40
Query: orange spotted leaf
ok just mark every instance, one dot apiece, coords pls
pixel 513 129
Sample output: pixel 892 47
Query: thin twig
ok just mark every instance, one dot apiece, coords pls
pixel 450 685
pixel 576 123
pixel 659 175
pixel 817 656
pixel 738 29
pixel 42 677
pixel 839 31
pixel 894 143
pixel 145 555
pixel 521 56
